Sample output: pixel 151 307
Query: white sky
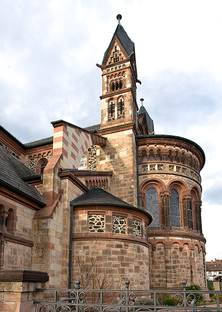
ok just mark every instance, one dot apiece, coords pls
pixel 48 52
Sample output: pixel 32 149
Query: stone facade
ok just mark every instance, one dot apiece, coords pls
pixel 106 240
pixel 50 221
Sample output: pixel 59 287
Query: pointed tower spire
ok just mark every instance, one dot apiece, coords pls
pixel 119 74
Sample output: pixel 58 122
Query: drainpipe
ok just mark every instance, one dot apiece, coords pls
pixel 138 184
pixel 70 247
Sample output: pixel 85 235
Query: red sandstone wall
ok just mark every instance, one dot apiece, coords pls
pixel 170 265
pixel 115 260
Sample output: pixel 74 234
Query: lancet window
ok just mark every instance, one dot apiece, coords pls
pixel 120 107
pixel 152 205
pixel 174 209
pixel 111 110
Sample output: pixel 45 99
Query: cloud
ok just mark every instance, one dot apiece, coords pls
pixel 213 194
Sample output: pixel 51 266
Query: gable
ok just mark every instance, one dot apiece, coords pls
pixel 116 53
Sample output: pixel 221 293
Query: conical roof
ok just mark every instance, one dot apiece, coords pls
pixel 149 120
pixel 99 197
pixel 124 39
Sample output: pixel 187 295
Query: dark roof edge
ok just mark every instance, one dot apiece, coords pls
pixel 115 205
pixel 175 137
pixel 31 177
pixel 16 190
pixel 12 137
pixel 38 143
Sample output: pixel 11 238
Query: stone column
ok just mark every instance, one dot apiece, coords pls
pixel 165 208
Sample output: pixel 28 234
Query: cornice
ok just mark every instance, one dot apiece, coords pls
pixel 109 236
pixel 117 92
pixel 116 128
pixel 173 232
pixel 17 240
pixel 88 173
pixel 71 177
pixel 157 139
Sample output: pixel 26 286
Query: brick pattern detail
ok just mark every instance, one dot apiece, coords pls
pixel 119 225
pixel 96 223
pixel 137 228
pixel 72 142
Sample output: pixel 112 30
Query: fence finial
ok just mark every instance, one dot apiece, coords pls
pixel 77 284
pixel 127 282
pixel 184 283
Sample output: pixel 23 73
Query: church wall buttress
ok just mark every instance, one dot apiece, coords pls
pixel 119 156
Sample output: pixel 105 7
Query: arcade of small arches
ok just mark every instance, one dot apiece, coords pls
pixel 170 154
pixel 112 108
pixel 96 182
pixel 172 205
pixel 116 81
pixel 154 242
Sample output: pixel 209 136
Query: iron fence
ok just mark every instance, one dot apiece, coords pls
pixel 106 300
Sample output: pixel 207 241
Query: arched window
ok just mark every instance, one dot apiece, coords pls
pixel 10 221
pixel 120 107
pixel 190 212
pixel 144 156
pixel 152 205
pixel 111 110
pixel 43 165
pixel 174 209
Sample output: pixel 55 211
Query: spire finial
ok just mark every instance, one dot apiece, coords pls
pixel 141 100
pixel 119 17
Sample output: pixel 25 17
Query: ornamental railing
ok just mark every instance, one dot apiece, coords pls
pixel 107 300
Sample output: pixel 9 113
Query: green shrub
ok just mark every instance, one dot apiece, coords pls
pixel 199 297
pixel 210 288
pixel 214 297
pixel 163 297
pixel 169 302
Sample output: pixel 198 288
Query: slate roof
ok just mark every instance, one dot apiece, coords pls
pixel 126 42
pixel 11 173
pixel 48 140
pixel 93 128
pixel 149 120
pixel 99 197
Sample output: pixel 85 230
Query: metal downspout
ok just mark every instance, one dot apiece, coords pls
pixel 137 165
pixel 70 247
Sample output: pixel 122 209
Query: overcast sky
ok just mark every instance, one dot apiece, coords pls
pixel 48 52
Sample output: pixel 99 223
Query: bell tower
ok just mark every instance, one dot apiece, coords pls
pixel 119 77
pixel 119 121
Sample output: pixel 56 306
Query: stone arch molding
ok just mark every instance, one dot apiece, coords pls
pixel 149 183
pixel 179 186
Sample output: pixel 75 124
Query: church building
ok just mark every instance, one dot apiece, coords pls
pixel 115 194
